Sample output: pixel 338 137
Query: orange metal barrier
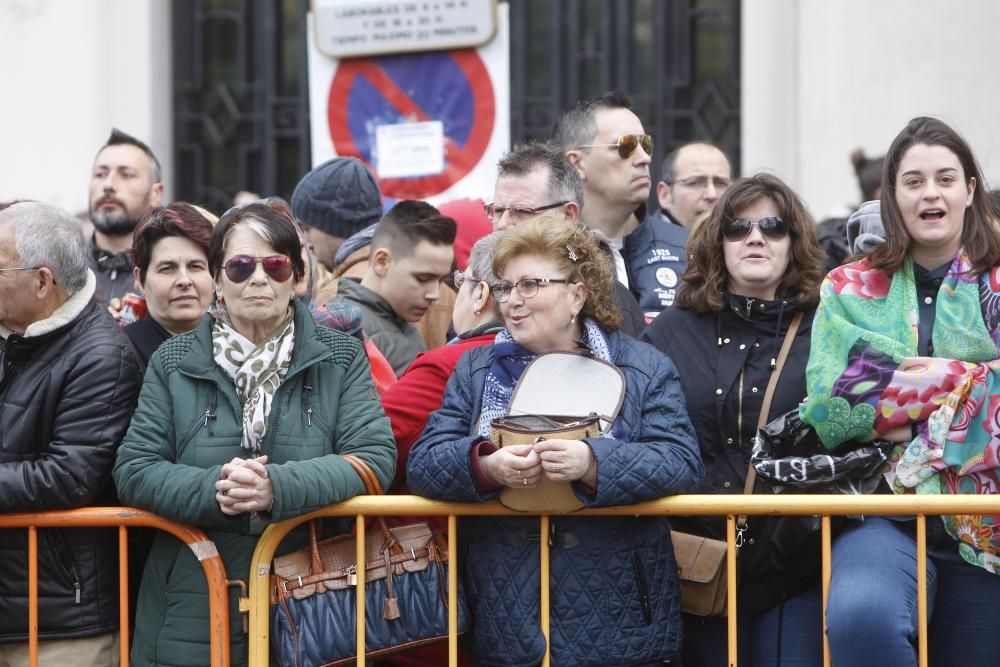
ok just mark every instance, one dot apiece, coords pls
pixel 123 518
pixel 690 505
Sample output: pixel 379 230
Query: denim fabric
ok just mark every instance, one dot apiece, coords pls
pixel 872 609
pixel 788 634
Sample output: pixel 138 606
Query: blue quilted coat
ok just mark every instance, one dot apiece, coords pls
pixel 614 589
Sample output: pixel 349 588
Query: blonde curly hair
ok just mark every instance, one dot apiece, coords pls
pixel 575 251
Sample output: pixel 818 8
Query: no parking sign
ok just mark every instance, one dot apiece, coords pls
pixel 436 123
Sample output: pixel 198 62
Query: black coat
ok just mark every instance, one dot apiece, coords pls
pixel 710 352
pixel 66 397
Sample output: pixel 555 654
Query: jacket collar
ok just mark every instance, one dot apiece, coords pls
pixel 62 315
pixel 358 292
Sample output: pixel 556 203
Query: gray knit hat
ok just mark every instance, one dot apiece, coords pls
pixel 339 197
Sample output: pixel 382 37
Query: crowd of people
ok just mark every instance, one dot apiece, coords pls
pixel 217 370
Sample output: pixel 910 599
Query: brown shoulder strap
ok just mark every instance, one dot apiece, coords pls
pixel 370 479
pixel 765 408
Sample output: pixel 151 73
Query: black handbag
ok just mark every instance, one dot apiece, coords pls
pixel 313 592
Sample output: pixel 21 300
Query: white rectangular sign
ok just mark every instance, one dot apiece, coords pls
pixel 404 150
pixel 346 28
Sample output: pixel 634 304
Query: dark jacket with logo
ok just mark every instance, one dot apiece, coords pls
pixel 614 586
pixel 656 256
pixel 724 362
pixel 65 400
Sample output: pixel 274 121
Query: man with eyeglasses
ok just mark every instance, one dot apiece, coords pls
pixel 68 384
pixel 534 180
pixel 692 179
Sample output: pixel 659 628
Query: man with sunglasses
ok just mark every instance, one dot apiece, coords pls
pixel 606 143
pixel 534 180
pixel 692 179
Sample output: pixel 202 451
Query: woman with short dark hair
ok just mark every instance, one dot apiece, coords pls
pixel 754 265
pixel 241 423
pixel 170 252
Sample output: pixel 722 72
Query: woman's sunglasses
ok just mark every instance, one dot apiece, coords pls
pixel 740 228
pixel 627 143
pixel 241 267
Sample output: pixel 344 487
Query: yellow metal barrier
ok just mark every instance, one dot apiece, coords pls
pixel 124 517
pixel 689 505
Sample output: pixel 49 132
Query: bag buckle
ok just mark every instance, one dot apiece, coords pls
pixel 740 530
pixel 352 575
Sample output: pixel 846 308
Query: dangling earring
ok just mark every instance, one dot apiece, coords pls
pixel 572 320
pixel 218 298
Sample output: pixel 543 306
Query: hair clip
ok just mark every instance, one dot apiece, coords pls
pixel 571 253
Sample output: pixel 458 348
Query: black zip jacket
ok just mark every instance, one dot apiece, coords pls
pixel 66 397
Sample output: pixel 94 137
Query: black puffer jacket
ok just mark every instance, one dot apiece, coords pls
pixel 716 355
pixel 66 396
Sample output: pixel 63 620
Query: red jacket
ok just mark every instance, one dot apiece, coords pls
pixel 418 393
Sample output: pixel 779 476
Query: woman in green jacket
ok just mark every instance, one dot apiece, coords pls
pixel 240 423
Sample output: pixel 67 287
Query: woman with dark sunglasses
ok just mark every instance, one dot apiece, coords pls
pixel 240 423
pixel 754 264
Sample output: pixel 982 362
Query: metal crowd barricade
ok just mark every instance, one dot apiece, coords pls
pixel 124 518
pixel 689 505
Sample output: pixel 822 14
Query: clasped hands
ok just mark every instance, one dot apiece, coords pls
pixel 522 466
pixel 244 486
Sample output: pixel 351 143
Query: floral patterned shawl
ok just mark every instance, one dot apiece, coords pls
pixel 865 379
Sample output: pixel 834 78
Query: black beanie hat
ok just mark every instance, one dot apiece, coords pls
pixel 339 197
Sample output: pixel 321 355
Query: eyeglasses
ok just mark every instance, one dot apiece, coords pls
pixel 740 228
pixel 627 143
pixel 241 267
pixel 19 268
pixel 702 182
pixel 526 287
pixel 517 212
pixel 459 278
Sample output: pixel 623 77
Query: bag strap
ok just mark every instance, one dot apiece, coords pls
pixel 370 479
pixel 765 411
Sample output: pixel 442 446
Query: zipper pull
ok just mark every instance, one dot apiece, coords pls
pixel 114 274
pixel 76 585
pixel 209 415
pixel 749 306
pixel 309 416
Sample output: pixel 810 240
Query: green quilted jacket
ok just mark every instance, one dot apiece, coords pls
pixel 187 425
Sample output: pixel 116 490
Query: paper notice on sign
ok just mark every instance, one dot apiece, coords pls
pixel 405 150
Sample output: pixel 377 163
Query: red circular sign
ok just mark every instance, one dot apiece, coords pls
pixel 450 86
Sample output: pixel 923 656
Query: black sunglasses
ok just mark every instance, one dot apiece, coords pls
pixel 627 143
pixel 241 267
pixel 740 228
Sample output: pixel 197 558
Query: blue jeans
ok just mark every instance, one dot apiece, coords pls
pixel 788 634
pixel 871 613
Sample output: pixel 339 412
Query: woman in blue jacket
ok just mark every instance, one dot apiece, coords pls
pixel 614 587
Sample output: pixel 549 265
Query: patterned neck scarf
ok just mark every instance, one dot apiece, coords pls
pixel 256 370
pixel 510 360
pixel 865 379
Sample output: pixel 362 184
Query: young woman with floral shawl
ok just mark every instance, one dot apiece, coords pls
pixel 905 348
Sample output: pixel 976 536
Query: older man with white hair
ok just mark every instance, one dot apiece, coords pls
pixel 69 383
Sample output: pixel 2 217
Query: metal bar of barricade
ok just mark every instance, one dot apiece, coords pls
pixel 452 590
pixel 32 596
pixel 123 597
pixel 921 590
pixel 826 574
pixel 731 629
pixel 543 585
pixel 111 517
pixel 361 559
pixel 687 505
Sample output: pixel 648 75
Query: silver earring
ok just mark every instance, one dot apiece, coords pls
pixel 572 320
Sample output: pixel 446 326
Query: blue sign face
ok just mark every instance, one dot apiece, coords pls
pixel 452 87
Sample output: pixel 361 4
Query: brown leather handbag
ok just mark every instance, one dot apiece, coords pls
pixel 701 561
pixel 313 591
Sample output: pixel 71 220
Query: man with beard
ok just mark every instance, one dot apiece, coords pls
pixel 125 184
